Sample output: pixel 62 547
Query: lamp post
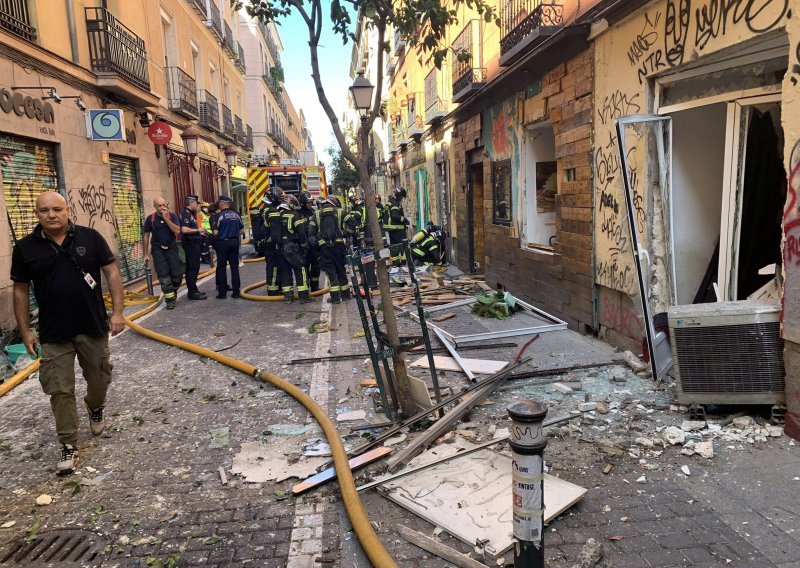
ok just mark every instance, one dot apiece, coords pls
pixel 190 136
pixel 361 92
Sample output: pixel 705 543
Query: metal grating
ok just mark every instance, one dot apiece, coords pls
pixel 58 547
pixel 745 358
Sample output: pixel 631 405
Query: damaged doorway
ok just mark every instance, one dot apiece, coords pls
pixel 475 219
pixel 729 188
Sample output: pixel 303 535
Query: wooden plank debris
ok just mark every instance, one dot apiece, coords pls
pixel 439 549
pixel 444 317
pixel 330 473
pixel 480 366
pixel 420 393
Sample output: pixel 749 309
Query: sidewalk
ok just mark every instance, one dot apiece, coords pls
pixel 148 492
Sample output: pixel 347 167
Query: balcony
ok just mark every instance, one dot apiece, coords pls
pixel 14 18
pixel 416 126
pixel 272 47
pixel 182 92
pixel 115 51
pixel 209 111
pixel 436 99
pixel 391 65
pixel 399 43
pixel 240 64
pixel 228 130
pixel 238 134
pixel 248 138
pixel 400 137
pixel 525 24
pixel 214 22
pixel 199 7
pixel 469 75
pixel 229 43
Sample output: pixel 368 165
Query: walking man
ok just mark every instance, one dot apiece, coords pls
pixel 227 230
pixel 65 261
pixel 192 238
pixel 160 232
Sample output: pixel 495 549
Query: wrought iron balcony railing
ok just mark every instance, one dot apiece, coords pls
pixel 209 111
pixel 248 138
pixel 240 64
pixel 399 43
pixel 526 23
pixel 229 43
pixel 415 110
pixel 113 48
pixel 238 130
pixel 469 75
pixel 436 95
pixel 214 21
pixel 272 47
pixel 15 18
pixel 200 7
pixel 228 130
pixel 182 92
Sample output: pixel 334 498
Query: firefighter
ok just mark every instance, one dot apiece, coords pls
pixel 354 222
pixel 428 246
pixel 382 212
pixel 290 248
pixel 329 231
pixel 271 220
pixel 312 250
pixel 396 220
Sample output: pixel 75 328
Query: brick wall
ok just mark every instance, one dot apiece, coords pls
pixel 465 138
pixel 559 282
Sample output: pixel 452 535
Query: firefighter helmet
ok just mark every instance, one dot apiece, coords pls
pixel 334 200
pixel 292 202
pixel 400 193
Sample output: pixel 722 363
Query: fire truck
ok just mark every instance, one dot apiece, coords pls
pixel 292 176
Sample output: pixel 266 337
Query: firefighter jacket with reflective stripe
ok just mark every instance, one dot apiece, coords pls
pixel 319 228
pixel 271 217
pixel 396 219
pixel 293 226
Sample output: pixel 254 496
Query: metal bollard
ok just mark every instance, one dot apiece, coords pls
pixel 527 445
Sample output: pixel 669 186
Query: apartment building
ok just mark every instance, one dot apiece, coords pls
pixel 73 69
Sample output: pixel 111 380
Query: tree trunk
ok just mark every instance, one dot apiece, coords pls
pixel 406 402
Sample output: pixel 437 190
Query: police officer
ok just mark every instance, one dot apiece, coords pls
pixel 311 249
pixel 227 230
pixel 192 239
pixel 292 257
pixel 271 217
pixel 329 230
pixel 396 223
pixel 427 246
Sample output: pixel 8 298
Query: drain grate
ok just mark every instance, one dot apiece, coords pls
pixel 57 547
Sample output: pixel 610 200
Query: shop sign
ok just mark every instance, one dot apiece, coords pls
pixel 105 125
pixel 25 105
pixel 159 133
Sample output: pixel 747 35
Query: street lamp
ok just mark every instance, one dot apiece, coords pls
pixel 230 156
pixel 361 91
pixel 190 136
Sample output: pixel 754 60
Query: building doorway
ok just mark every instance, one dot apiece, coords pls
pixel 476 250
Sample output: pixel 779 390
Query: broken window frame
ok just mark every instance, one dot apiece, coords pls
pixel 530 196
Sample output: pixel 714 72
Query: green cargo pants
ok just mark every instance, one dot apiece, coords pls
pixel 57 375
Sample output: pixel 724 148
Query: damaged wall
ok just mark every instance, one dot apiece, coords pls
pixel 662 37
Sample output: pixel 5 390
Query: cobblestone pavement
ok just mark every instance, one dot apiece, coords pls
pixel 150 489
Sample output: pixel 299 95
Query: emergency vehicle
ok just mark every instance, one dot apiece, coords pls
pixel 292 176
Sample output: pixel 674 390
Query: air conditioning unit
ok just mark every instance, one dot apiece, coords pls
pixel 728 353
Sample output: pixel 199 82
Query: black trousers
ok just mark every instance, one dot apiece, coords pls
pixel 273 270
pixel 312 267
pixel 169 268
pixel 192 248
pixel 228 254
pixel 397 237
pixel 291 262
pixel 332 260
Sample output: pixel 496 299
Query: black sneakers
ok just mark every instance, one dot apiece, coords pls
pixel 197 296
pixel 68 456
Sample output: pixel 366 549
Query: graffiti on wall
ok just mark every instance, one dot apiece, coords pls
pixel 669 34
pixel 501 138
pixel 92 203
pixel 614 313
pixel 26 174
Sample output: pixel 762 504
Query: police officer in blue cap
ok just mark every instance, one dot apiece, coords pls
pixel 228 229
pixel 192 239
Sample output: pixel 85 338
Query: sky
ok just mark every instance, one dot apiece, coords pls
pixel 334 68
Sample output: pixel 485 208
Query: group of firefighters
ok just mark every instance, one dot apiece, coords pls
pixel 301 237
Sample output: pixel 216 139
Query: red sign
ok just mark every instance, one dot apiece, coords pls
pixel 159 132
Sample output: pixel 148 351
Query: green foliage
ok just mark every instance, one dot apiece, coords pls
pixel 497 305
pixel 343 174
pixel 277 74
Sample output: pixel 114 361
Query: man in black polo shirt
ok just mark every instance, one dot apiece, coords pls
pixel 164 227
pixel 227 228
pixel 64 261
pixel 192 239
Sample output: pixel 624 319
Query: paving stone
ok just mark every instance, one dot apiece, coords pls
pixel 664 558
pixel 675 540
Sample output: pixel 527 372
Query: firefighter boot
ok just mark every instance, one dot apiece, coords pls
pixel 346 295
pixel 335 298
pixel 305 297
pixel 288 297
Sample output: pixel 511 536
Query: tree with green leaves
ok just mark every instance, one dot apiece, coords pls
pixel 342 172
pixel 424 24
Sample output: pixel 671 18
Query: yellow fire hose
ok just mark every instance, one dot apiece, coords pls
pixel 369 540
pixel 257 298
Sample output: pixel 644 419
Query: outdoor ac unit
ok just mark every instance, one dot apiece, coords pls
pixel 728 353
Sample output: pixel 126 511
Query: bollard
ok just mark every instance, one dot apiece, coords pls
pixel 527 445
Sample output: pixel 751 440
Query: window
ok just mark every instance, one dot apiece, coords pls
pixel 501 192
pixel 541 187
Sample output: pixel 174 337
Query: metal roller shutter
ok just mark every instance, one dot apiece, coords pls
pixel 29 168
pixel 128 220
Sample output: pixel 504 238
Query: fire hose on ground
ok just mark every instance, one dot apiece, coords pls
pixel 374 548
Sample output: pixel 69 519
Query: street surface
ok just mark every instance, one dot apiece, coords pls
pixel 149 492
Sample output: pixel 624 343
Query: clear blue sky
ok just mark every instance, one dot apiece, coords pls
pixel 334 68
